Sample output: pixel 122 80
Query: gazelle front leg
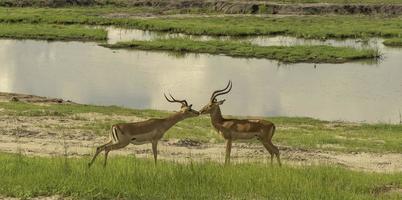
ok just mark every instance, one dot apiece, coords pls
pixel 155 149
pixel 228 150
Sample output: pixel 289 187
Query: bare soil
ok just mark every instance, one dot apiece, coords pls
pixel 172 150
pixel 61 135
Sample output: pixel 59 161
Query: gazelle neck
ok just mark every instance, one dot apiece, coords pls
pixel 174 118
pixel 216 116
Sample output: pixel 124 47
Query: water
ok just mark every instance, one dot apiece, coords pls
pixel 116 34
pixel 88 73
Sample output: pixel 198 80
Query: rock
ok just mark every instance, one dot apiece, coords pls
pixel 188 142
pixel 58 100
pixel 14 99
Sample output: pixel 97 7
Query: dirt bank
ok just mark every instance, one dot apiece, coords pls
pixel 5 97
pixel 222 6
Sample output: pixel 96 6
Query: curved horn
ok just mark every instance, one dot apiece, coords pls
pixel 222 91
pixel 173 100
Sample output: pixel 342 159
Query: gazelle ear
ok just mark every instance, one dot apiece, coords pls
pixel 221 101
pixel 190 105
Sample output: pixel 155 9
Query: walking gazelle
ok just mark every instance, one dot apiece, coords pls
pixel 149 131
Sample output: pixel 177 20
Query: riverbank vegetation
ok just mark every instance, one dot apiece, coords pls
pixel 312 27
pixel 297 132
pixel 393 42
pixel 51 32
pixel 68 24
pixel 341 1
pixel 289 54
pixel 130 178
pixel 59 3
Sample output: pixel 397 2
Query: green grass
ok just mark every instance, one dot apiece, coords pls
pixel 130 178
pixel 393 42
pixel 290 54
pixel 51 32
pixel 35 110
pixel 313 27
pixel 58 3
pixel 297 132
pixel 317 27
pixel 342 1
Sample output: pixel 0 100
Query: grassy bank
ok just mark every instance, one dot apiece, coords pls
pixel 290 54
pixel 393 42
pixel 317 27
pixel 59 3
pixel 51 32
pixel 130 178
pixel 297 132
pixel 341 1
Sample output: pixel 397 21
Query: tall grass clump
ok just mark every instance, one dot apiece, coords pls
pixel 131 178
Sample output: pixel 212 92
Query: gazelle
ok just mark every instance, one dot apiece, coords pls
pixel 233 129
pixel 149 131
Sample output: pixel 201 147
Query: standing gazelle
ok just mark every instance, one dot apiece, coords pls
pixel 232 129
pixel 149 131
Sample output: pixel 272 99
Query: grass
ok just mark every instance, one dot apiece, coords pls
pixel 342 1
pixel 297 132
pixel 290 54
pixel 35 110
pixel 130 178
pixel 51 32
pixel 58 3
pixel 393 42
pixel 315 27
pixel 311 27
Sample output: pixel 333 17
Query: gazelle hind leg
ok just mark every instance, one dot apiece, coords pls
pixel 111 147
pixel 105 161
pixel 113 140
pixel 155 150
pixel 98 150
pixel 276 151
pixel 270 150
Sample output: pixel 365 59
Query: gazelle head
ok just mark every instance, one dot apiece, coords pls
pixel 185 108
pixel 213 102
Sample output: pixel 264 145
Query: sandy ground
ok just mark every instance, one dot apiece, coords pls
pixel 42 136
pixel 185 151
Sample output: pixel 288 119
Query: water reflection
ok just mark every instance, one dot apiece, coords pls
pixel 116 34
pixel 87 73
